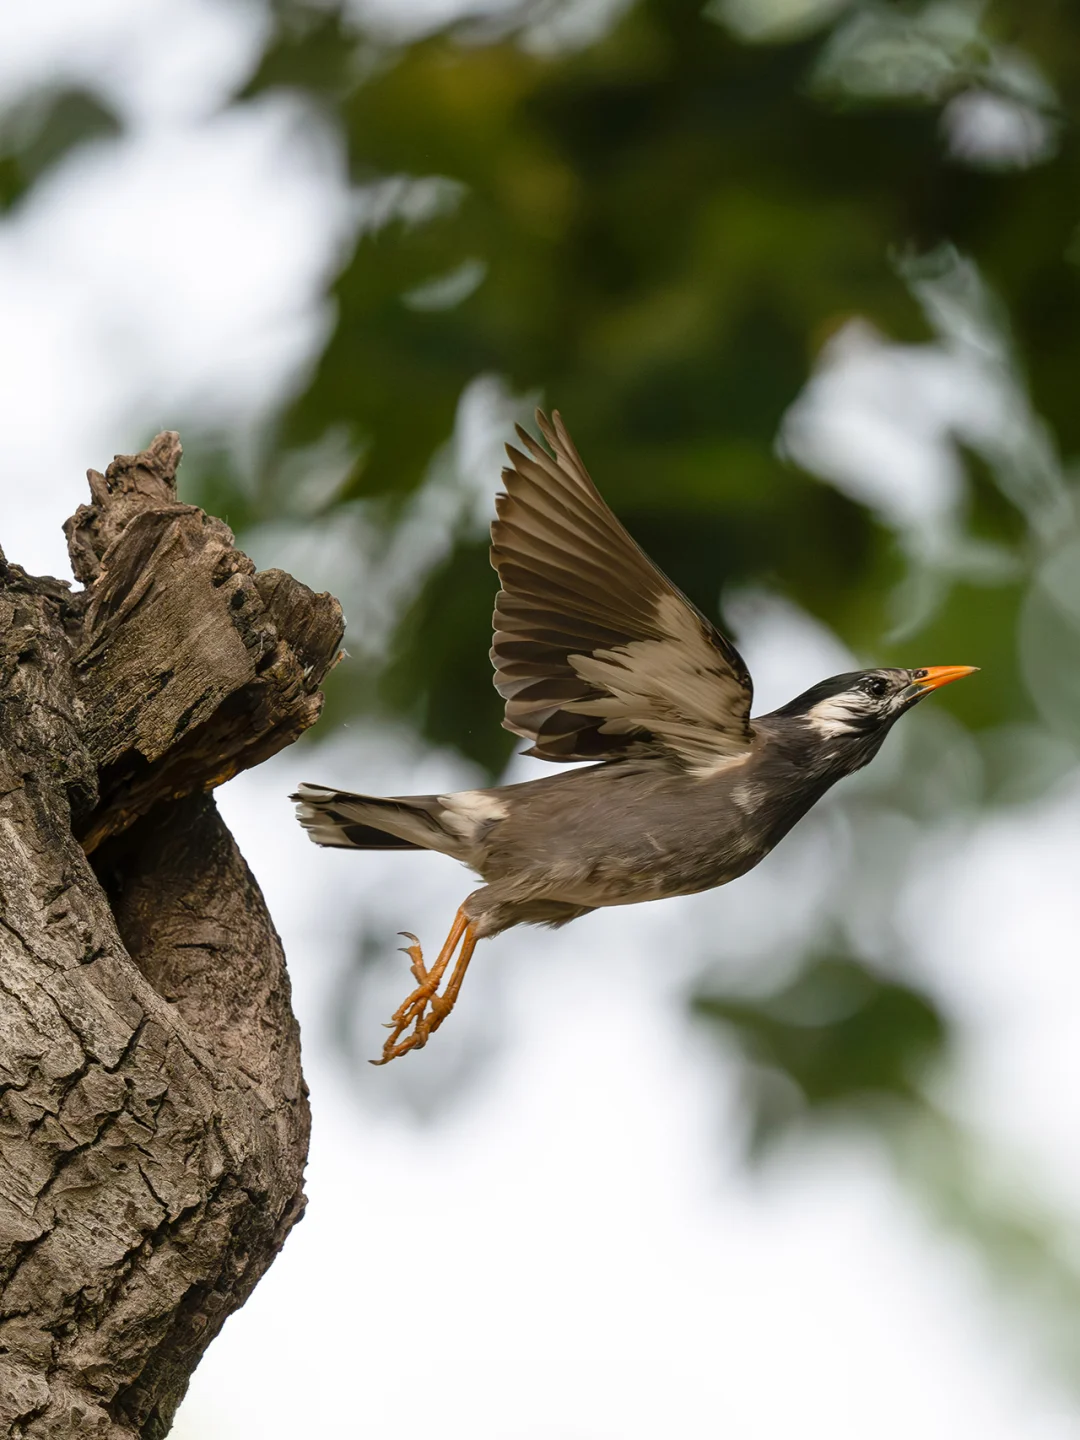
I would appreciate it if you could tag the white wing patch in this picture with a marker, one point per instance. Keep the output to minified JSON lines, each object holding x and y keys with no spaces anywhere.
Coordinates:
{"x":677,"y":687}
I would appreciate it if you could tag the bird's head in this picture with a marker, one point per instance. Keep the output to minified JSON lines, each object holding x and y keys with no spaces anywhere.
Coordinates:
{"x":861,"y":706}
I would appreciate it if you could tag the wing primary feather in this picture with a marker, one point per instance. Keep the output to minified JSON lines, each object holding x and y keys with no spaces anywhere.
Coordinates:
{"x":596,"y":653}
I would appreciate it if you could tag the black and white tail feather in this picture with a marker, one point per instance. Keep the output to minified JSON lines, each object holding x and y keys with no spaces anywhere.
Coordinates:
{"x":451,"y":824}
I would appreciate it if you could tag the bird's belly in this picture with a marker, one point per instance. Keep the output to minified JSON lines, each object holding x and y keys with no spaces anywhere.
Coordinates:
{"x":617,"y":837}
{"x":652,"y":872}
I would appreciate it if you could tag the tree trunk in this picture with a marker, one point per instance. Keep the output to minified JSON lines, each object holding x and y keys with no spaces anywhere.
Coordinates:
{"x":153,"y":1114}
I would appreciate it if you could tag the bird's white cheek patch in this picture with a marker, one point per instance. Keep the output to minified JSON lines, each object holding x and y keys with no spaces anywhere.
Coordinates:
{"x":466,"y":812}
{"x":833,"y":716}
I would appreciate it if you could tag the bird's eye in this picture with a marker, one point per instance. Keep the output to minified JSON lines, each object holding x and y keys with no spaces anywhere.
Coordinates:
{"x":877,"y":688}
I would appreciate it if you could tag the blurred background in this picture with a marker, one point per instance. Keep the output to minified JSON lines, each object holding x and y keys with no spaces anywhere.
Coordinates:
{"x":796,"y":1156}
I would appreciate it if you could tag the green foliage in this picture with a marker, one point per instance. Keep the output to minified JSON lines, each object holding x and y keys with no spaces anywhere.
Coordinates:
{"x":656,"y":232}
{"x":838,"y":1035}
{"x":438,"y":675}
{"x":38,"y":134}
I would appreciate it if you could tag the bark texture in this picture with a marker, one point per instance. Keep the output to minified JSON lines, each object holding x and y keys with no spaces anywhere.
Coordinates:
{"x":153,"y":1116}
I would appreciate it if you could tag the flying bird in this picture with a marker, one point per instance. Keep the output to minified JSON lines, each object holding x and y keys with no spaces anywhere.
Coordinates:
{"x":599,"y":657}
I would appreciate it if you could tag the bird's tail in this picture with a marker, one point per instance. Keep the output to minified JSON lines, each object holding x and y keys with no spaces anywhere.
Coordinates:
{"x":367,"y":822}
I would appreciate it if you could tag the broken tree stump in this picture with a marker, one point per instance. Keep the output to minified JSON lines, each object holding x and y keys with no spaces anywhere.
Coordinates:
{"x":153,"y":1115}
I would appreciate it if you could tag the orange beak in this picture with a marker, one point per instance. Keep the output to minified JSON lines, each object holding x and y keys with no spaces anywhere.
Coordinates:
{"x":934,"y":676}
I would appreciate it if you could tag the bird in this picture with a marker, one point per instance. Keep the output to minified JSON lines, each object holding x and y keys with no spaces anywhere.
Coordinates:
{"x":600,"y":658}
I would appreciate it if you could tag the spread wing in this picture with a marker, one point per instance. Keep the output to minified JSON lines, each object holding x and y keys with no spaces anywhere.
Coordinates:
{"x":596,"y":653}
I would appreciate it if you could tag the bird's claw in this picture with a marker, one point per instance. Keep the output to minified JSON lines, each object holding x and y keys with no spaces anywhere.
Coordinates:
{"x":412,"y":1010}
{"x":425,"y":1009}
{"x":416,"y":955}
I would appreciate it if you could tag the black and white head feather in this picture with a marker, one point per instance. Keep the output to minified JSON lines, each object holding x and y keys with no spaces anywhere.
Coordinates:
{"x":858,"y":703}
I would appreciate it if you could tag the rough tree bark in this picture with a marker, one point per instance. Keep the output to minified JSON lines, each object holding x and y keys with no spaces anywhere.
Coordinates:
{"x":153,"y":1115}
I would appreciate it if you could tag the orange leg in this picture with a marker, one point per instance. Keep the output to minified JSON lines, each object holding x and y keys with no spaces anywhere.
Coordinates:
{"x":414,"y":1010}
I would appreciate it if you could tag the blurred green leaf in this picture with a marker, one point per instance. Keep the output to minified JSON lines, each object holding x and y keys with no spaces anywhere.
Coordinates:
{"x":440,"y":675}
{"x":37,"y":134}
{"x":838,"y":1035}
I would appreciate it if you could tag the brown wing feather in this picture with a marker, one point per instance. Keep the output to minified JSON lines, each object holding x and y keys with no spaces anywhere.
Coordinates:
{"x":596,"y":653}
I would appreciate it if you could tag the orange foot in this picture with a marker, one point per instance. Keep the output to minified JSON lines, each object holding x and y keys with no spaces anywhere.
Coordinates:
{"x":425,"y":1009}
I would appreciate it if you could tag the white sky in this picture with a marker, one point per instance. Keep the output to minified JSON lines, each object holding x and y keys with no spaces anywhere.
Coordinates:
{"x":570,"y":1250}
